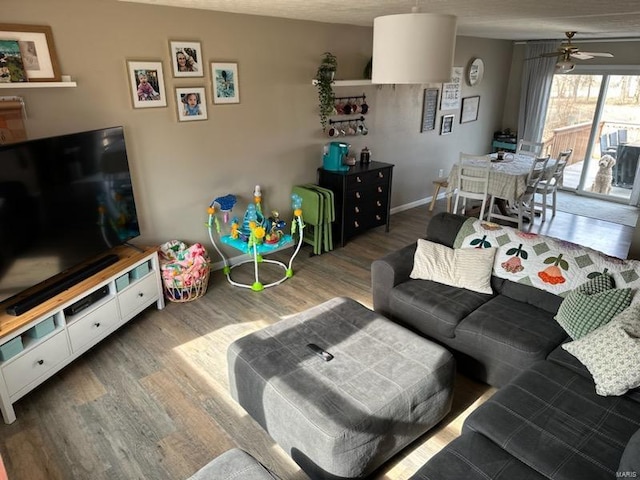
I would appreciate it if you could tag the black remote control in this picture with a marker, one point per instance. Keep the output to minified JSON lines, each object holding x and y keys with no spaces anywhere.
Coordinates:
{"x":326,"y":356}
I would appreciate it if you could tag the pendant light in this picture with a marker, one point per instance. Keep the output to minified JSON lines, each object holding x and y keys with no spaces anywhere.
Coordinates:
{"x":413,"y":48}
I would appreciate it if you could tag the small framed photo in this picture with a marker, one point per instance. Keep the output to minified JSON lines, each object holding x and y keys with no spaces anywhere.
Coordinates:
{"x":147,"y":84}
{"x":446,"y":124}
{"x":187,"y":59}
{"x":11,"y":67}
{"x":225,"y":83}
{"x":191,"y":103}
{"x":37,"y":51}
{"x":470,"y":107}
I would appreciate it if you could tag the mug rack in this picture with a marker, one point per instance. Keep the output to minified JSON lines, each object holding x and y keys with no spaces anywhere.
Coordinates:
{"x":354,"y":97}
{"x":347,"y":120}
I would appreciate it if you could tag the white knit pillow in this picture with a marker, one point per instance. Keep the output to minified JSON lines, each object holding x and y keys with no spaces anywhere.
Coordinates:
{"x":468,"y":268}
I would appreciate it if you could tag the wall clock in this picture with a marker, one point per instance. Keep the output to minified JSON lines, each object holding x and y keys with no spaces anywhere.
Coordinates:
{"x":475,"y":71}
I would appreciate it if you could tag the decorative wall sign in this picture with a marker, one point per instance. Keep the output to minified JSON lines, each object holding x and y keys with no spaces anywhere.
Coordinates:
{"x":429,"y":109}
{"x":147,"y":84}
{"x":37,"y":50}
{"x":452,"y":91}
{"x":475,"y":71}
{"x":470,"y":106}
{"x":446,"y":124}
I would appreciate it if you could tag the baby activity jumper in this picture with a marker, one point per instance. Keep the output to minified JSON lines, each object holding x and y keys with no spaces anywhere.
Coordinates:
{"x":256,"y":235}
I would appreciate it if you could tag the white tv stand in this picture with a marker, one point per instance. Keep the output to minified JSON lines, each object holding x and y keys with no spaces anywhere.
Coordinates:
{"x":131,"y":289}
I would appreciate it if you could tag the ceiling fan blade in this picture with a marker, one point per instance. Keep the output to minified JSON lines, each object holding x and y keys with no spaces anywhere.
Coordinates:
{"x":581,"y":55}
{"x":550,"y":54}
{"x":598,"y":54}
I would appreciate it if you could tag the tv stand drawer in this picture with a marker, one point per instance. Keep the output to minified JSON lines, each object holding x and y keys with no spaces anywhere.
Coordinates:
{"x":94,"y":325}
{"x":36,"y":363}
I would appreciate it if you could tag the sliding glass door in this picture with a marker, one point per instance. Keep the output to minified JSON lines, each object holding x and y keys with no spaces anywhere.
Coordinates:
{"x":598,"y":116}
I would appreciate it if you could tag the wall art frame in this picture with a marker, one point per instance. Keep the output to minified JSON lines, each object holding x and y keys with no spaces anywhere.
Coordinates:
{"x":446,"y":124}
{"x":38,"y":51}
{"x":429,"y":109}
{"x":226,"y":86}
{"x":147,"y":84}
{"x":469,"y":110}
{"x":191,"y":103}
{"x":452,"y":91}
{"x":186,"y":58}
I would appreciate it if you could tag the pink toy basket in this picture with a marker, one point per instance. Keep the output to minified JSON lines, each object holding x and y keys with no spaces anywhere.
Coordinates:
{"x":185,"y":271}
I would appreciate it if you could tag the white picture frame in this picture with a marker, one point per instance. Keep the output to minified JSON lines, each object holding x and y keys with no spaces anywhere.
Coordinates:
{"x":446,"y":124}
{"x":226,"y":87}
{"x":191,"y":103}
{"x":186,"y":58}
{"x":142,"y":96}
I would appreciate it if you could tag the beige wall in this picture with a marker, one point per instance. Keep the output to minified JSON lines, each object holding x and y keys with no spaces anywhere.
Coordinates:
{"x":271,"y":138}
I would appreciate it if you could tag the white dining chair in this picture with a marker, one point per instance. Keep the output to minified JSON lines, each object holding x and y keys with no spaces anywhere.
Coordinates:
{"x":526,"y":147}
{"x":473,"y":182}
{"x":526,"y":201}
{"x":548,"y":186}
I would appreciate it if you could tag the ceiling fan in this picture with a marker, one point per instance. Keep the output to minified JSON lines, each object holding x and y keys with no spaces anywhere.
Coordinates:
{"x":568,"y":51}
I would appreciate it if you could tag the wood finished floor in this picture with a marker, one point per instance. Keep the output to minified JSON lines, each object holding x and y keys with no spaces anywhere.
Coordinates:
{"x":152,"y":402}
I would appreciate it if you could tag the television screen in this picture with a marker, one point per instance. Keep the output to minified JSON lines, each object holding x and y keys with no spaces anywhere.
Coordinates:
{"x":63,"y":200}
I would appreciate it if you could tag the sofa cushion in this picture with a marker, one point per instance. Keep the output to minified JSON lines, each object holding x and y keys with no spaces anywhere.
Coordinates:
{"x":509,"y":331}
{"x":433,"y":308}
{"x":550,"y":419}
{"x":474,"y":457}
{"x":612,"y":353}
{"x":547,"y":301}
{"x":592,"y":305}
{"x":463,"y":268}
{"x":443,"y":228}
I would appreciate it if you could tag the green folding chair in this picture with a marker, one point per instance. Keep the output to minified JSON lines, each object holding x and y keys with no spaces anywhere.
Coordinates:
{"x":329,"y":215}
{"x":312,"y":216}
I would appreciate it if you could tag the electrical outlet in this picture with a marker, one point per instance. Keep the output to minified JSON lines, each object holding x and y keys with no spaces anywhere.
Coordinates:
{"x":441,"y":172}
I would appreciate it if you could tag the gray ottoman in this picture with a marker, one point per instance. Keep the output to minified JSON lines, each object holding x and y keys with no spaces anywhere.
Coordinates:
{"x":234,"y":464}
{"x":343,"y":418}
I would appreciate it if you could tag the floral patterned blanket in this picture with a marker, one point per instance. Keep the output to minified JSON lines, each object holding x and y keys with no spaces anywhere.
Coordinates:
{"x":545,"y":262}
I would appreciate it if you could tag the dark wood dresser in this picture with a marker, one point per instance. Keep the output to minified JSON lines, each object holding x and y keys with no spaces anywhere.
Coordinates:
{"x":362,"y":198}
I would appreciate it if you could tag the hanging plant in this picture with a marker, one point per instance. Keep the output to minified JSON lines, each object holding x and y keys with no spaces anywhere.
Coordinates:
{"x":324,"y":81}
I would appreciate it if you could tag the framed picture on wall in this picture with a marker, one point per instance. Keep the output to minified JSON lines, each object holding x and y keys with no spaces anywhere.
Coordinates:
{"x":429,"y":109}
{"x":225,"y":82}
{"x":37,"y":51}
{"x":470,"y":106}
{"x":147,"y":84}
{"x":186,"y":58}
{"x":191,"y":104}
{"x":446,"y":124}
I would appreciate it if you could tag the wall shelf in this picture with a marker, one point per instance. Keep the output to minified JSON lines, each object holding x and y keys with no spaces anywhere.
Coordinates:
{"x":348,"y":83}
{"x":38,"y":85}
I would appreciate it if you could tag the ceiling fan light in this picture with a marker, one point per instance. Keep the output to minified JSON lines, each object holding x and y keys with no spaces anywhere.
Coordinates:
{"x":413,"y":48}
{"x":565,"y":66}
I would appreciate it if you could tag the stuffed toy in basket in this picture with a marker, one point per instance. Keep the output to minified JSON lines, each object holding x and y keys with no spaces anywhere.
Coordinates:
{"x":185,"y":270}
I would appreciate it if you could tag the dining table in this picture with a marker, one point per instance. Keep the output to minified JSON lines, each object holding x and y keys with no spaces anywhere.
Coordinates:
{"x":507,"y":176}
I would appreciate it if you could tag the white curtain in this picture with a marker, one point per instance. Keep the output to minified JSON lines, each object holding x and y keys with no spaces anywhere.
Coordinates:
{"x":537,"y":75}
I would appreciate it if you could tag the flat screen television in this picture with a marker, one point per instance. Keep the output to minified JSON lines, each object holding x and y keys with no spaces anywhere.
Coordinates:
{"x":63,"y":200}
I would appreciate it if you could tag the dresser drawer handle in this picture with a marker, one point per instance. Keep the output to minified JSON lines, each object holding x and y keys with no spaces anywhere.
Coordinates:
{"x":378,"y":203}
{"x":356,"y":224}
{"x":356,"y":209}
{"x":141,"y":294}
{"x":379,"y":189}
{"x":357,"y":194}
{"x":380,"y":175}
{"x":97,"y":324}
{"x":378,"y":217}
{"x":40,"y":362}
{"x":358,"y":179}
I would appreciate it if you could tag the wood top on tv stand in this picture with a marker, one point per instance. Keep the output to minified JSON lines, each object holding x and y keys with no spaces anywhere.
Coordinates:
{"x":127,"y":255}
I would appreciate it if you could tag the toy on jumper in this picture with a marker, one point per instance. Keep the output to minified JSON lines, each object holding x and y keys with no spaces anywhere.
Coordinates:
{"x":256,"y":235}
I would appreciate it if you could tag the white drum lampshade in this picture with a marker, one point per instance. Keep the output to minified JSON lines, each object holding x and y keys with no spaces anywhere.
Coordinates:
{"x":413,"y":48}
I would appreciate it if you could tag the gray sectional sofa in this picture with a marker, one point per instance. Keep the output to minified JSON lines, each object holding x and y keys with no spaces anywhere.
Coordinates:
{"x":546,"y":420}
